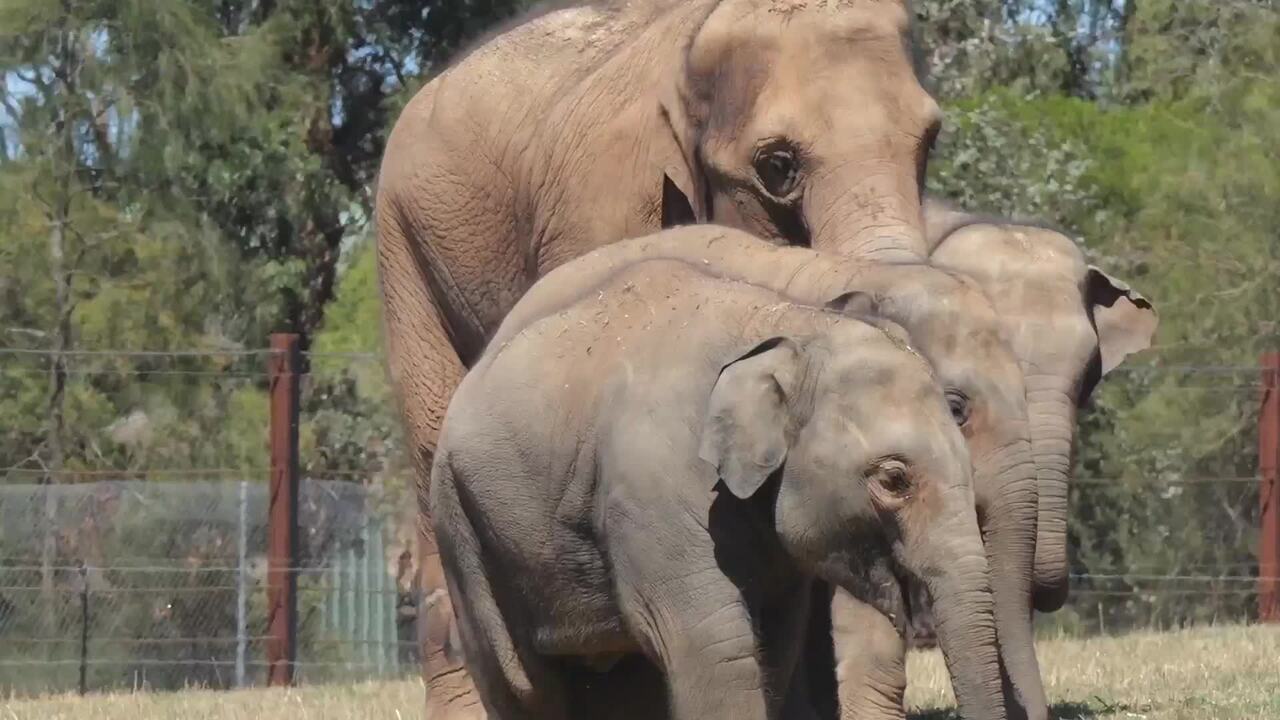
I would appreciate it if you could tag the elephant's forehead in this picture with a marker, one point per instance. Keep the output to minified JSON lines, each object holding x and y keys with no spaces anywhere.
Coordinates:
{"x":879,"y":17}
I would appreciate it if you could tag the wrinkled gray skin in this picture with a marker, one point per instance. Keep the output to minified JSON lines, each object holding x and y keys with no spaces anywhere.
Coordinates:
{"x":663,"y":462}
{"x":683,"y":110}
{"x":954,"y":327}
{"x":1069,"y":323}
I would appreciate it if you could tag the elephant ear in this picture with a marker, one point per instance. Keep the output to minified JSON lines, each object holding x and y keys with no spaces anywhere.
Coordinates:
{"x":684,"y":187}
{"x":676,"y":208}
{"x":745,"y":435}
{"x":870,"y":309}
{"x":1125,"y":320}
{"x":854,"y":304}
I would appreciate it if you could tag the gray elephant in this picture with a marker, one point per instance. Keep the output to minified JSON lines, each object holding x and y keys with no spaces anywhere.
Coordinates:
{"x":801,"y":121}
{"x":1069,"y":323}
{"x":661,"y":463}
{"x":953,"y":325}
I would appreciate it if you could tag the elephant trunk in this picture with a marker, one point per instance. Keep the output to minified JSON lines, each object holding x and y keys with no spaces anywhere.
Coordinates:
{"x":962,"y":602}
{"x":1006,"y":484}
{"x":1053,"y":415}
{"x":866,"y":212}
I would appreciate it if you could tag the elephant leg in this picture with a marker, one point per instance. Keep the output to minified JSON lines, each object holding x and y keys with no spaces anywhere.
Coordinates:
{"x":871,"y":661}
{"x":451,"y":693}
{"x":700,"y":632}
{"x":425,"y":370}
{"x":712,"y":668}
{"x":514,"y":681}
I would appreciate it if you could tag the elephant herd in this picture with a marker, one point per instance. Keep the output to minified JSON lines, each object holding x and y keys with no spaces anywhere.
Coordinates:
{"x":699,"y":386}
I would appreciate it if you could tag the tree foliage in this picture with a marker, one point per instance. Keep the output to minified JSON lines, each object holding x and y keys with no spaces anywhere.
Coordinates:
{"x":1165,"y":167}
{"x":194,"y":174}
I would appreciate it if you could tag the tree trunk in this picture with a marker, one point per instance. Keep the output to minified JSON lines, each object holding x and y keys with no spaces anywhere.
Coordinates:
{"x":59,"y":220}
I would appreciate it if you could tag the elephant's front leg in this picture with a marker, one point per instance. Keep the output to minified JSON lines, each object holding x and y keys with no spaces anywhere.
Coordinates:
{"x":712,"y":665}
{"x":699,"y":630}
{"x":871,"y":657}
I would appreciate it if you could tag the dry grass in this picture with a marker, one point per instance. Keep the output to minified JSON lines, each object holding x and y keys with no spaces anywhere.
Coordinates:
{"x":1226,"y":673}
{"x":1230,"y":673}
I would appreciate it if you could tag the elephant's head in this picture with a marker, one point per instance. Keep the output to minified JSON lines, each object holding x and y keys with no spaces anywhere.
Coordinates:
{"x":1069,"y":324}
{"x":803,"y":122}
{"x":872,"y":480}
{"x":954,"y":326}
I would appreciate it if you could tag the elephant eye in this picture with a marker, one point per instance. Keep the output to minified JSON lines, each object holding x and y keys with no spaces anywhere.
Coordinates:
{"x":959,"y":404}
{"x":893,"y":477}
{"x":778,"y":169}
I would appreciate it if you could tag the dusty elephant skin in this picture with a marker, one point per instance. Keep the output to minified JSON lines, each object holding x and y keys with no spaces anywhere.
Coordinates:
{"x":1069,"y":323}
{"x":799,"y":120}
{"x":953,"y":325}
{"x":664,"y":461}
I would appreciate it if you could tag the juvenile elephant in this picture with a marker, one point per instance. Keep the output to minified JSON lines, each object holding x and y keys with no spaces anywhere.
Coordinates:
{"x":1069,"y":323}
{"x":801,"y":121}
{"x":953,"y":325}
{"x":661,"y":463}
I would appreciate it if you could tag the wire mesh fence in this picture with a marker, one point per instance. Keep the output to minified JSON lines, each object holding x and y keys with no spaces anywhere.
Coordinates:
{"x":162,"y":585}
{"x":139,"y":558}
{"x":135,"y":556}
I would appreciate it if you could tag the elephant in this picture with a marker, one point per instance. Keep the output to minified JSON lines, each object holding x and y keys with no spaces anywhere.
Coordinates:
{"x":800,"y":121}
{"x":1068,"y":322}
{"x":953,"y":325}
{"x":665,"y":463}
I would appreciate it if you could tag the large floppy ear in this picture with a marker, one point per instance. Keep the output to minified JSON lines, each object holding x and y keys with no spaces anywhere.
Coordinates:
{"x":1125,"y":320}
{"x":684,"y":188}
{"x":747,"y":429}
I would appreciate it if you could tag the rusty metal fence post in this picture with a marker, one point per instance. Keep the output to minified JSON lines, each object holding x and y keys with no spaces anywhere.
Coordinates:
{"x":1269,"y":495}
{"x":282,"y":522}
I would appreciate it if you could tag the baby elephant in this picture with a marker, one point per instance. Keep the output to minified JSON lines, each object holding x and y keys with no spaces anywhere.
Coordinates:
{"x":666,"y":463}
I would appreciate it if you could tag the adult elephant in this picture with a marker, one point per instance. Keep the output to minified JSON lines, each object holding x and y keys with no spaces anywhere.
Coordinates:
{"x":798,"y":120}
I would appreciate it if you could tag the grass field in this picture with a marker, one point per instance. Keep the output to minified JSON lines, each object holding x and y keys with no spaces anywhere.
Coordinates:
{"x":1230,"y":673}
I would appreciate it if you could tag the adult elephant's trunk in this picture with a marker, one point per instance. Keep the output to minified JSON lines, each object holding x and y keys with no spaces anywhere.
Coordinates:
{"x":868,"y":211}
{"x":1052,"y":412}
{"x":963,"y":606}
{"x":1005,"y":484}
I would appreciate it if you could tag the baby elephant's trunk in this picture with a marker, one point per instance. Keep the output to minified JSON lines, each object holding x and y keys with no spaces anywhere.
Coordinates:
{"x":959,"y":586}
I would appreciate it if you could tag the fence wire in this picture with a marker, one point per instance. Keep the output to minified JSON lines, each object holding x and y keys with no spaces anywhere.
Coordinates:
{"x":140,"y":561}
{"x":142,"y":583}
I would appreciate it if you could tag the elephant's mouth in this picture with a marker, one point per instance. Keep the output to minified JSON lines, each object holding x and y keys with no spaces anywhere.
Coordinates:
{"x":888,"y":590}
{"x":904,"y":599}
{"x":898,"y":602}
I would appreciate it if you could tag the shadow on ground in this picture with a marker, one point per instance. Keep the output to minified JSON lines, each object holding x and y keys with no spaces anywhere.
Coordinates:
{"x":1057,"y":711}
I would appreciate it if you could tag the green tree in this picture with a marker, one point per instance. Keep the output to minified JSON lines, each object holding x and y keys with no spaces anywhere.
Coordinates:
{"x":1166,"y":169}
